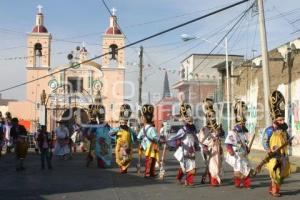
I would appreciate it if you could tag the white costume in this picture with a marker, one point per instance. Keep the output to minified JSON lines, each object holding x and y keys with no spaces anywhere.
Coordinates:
{"x":239,"y":161}
{"x":62,"y":141}
{"x":211,"y":140}
{"x":185,"y":153}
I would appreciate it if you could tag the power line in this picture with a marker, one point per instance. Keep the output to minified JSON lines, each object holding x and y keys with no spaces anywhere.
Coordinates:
{"x":118,"y":25}
{"x":283,"y":14}
{"x":219,"y":30}
{"x":172,"y":17}
{"x":221,"y":40}
{"x":134,"y":43}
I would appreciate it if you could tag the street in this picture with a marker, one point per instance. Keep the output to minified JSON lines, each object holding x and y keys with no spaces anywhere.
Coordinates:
{"x":72,"y":180}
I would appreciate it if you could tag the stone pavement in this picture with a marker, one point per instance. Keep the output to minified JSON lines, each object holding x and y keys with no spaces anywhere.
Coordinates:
{"x":71,"y":180}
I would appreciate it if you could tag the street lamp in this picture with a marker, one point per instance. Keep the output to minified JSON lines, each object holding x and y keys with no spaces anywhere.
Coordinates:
{"x":185,"y":38}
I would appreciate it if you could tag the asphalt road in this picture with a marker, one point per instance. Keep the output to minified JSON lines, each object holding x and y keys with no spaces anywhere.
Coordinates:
{"x":72,"y":180}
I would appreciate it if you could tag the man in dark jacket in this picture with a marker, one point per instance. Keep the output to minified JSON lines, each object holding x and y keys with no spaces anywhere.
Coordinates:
{"x":44,"y":139}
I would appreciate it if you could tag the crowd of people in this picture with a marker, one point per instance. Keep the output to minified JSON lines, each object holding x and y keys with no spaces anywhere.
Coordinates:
{"x":97,"y":139}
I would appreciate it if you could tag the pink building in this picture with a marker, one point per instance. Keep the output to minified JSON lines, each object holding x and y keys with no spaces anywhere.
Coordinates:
{"x":70,"y":91}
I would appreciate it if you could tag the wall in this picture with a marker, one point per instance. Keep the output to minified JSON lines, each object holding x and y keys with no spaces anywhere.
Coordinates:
{"x":250,"y":87}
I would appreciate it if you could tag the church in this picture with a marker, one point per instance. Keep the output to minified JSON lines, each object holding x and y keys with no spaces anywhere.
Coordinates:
{"x":60,"y":92}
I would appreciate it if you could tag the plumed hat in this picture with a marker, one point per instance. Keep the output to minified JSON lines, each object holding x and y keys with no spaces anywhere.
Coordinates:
{"x":125,"y":112}
{"x":209,"y":113}
{"x":97,"y":111}
{"x":240,"y":112}
{"x":208,"y":104}
{"x":277,"y":105}
{"x":186,"y":112}
{"x":148,"y":111}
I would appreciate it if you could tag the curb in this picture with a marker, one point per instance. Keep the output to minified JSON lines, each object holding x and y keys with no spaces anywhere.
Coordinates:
{"x":294,"y":167}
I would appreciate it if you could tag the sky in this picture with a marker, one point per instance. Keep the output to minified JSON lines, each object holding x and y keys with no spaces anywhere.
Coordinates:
{"x":73,"y":22}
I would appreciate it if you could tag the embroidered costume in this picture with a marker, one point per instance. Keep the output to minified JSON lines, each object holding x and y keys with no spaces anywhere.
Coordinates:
{"x":237,"y":149}
{"x":98,"y":135}
{"x":125,"y":138}
{"x":149,"y":139}
{"x":209,"y":138}
{"x":275,"y":136}
{"x":187,"y":144}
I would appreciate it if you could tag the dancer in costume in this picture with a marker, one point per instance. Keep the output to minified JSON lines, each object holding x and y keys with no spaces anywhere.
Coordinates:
{"x":19,"y":135}
{"x":125,"y":137}
{"x":187,"y":145}
{"x":103,"y":148}
{"x":275,"y":136}
{"x":237,"y":149}
{"x":209,"y":138}
{"x":149,"y":139}
{"x":89,"y":139}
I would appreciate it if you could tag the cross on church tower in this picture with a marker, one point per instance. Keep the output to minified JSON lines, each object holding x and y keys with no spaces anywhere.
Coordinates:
{"x":39,"y":8}
{"x":114,"y":11}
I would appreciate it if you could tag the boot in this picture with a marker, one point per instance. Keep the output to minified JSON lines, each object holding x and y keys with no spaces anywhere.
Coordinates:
{"x":247,"y":182}
{"x":237,"y":182}
{"x":214,"y":182}
{"x":275,"y":190}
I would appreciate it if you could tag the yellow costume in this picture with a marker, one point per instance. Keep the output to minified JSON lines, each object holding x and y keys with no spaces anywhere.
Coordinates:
{"x":279,"y":167}
{"x":276,"y":136}
{"x":125,"y":137}
{"x":123,"y":149}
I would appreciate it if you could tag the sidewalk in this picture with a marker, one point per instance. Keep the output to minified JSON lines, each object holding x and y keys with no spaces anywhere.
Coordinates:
{"x":256,"y":156}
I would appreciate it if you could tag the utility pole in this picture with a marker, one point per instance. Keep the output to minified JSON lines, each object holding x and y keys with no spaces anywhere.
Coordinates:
{"x":265,"y":60}
{"x":140,"y":81}
{"x":227,"y":86}
{"x":289,"y":62}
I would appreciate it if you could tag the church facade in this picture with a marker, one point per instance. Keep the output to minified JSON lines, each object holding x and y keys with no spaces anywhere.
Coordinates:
{"x":68,"y":90}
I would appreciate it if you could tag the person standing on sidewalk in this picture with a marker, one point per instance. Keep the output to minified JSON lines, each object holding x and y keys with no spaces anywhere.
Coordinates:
{"x":237,"y":149}
{"x":210,"y":140}
{"x":187,"y":143}
{"x":44,"y":139}
{"x":275,"y":136}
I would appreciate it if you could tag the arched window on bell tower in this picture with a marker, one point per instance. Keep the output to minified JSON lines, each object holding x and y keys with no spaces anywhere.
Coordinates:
{"x":113,"y":51}
{"x":37,"y":54}
{"x":113,"y":60}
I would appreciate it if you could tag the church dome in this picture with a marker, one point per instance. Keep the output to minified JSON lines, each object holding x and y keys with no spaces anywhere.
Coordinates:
{"x":113,"y":31}
{"x":39,"y":29}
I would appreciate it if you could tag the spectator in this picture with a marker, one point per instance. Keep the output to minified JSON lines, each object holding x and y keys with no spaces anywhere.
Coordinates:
{"x":6,"y":130}
{"x":2,"y":123}
{"x":44,"y":140}
{"x":62,"y":148}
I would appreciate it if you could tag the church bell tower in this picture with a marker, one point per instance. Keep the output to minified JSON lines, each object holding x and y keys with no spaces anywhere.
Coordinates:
{"x":112,"y":40}
{"x":39,"y":43}
{"x":38,"y":60}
